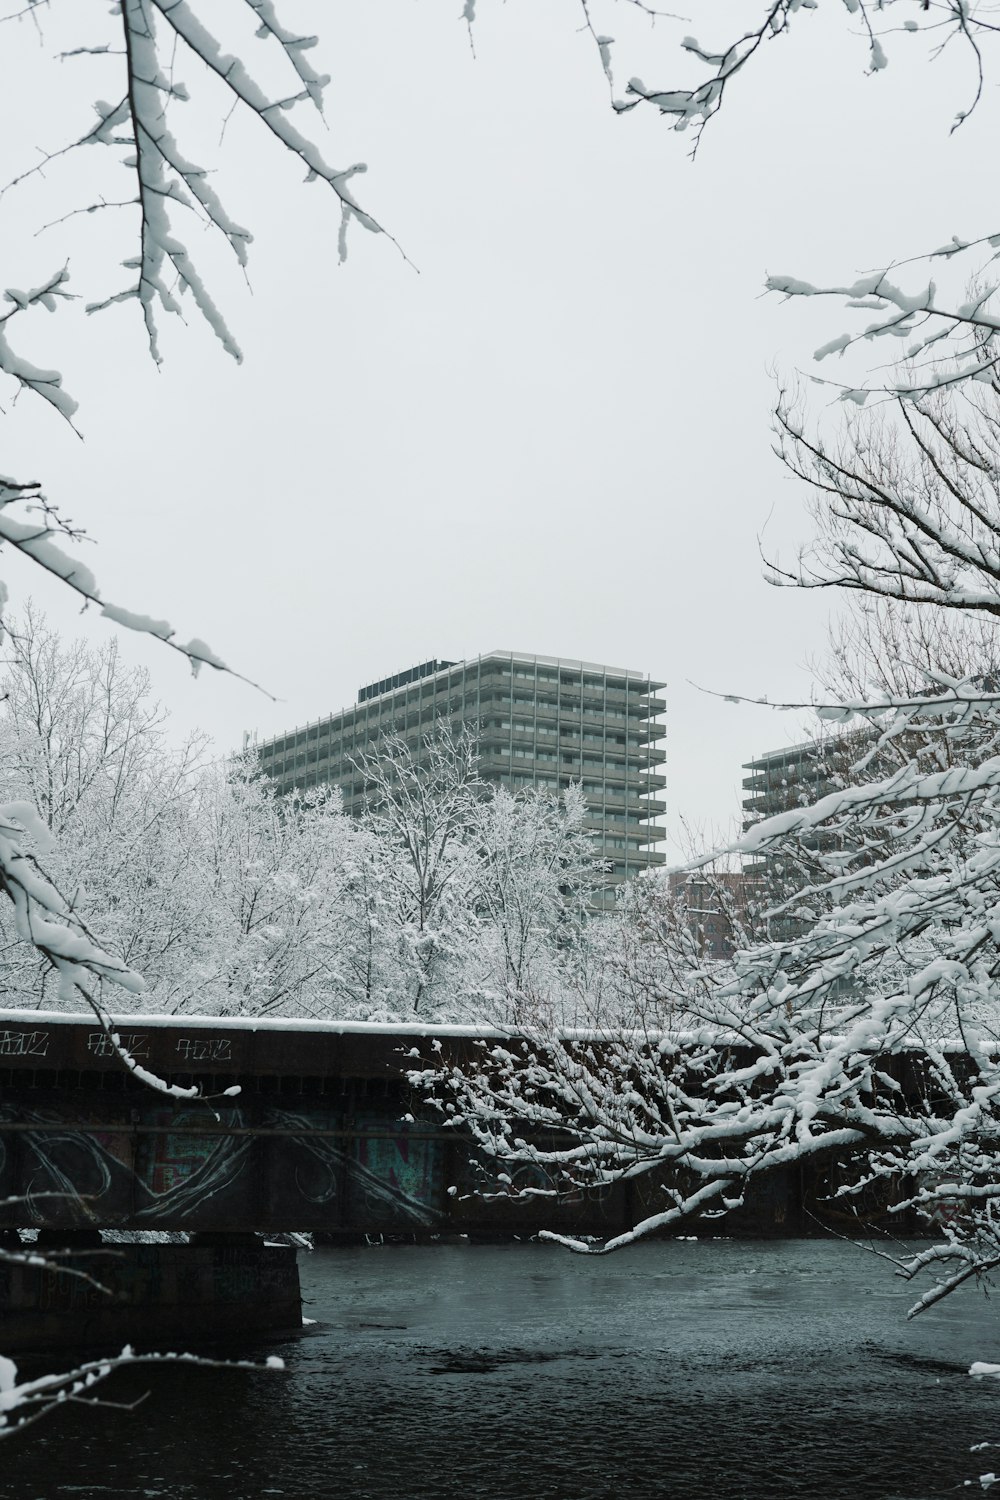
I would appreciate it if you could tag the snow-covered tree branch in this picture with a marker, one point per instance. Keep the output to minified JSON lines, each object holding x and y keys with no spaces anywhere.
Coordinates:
{"x":81,"y":752}
{"x":950,"y":337}
{"x":869,"y":1036}
{"x":24,"y":1402}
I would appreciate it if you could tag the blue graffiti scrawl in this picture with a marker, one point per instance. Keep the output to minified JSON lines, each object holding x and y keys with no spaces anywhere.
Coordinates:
{"x":101,"y":1162}
{"x":396,"y":1175}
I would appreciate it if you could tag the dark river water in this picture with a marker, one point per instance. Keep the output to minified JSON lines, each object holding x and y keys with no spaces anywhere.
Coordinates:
{"x":756,"y":1371}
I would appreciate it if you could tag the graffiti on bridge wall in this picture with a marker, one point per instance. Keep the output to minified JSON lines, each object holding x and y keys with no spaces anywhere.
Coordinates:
{"x":191,"y":1168}
{"x":24,"y":1043}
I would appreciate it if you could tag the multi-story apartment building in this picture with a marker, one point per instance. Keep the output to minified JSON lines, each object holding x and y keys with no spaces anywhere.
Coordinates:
{"x":780,"y":781}
{"x":796,"y":776}
{"x":543,"y":721}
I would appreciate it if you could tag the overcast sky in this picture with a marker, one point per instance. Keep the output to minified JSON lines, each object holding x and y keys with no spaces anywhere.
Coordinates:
{"x":548,"y":429}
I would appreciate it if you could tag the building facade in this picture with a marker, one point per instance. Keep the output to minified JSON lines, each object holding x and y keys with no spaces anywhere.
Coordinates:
{"x":796,"y":776}
{"x":543,"y":721}
{"x":781,"y":781}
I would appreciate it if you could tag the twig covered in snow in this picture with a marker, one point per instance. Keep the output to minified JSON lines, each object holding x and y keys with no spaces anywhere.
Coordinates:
{"x":863,"y":1034}
{"x":950,"y":341}
{"x":34,"y":540}
{"x":23,"y":1402}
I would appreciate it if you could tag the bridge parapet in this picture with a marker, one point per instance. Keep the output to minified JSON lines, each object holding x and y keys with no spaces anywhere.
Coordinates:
{"x":200,"y":1046}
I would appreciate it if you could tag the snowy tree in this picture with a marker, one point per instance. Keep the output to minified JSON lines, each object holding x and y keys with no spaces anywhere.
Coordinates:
{"x":83,"y":741}
{"x":885,"y":646}
{"x":537,"y":876}
{"x":908,"y":501}
{"x":950,"y":338}
{"x":152,"y":56}
{"x":227,"y":900}
{"x":157,"y":61}
{"x":233,"y":901}
{"x":899,"y":499}
{"x":148,"y":58}
{"x":78,"y":725}
{"x":423,"y":811}
{"x":141,"y":52}
{"x":367,"y":977}
{"x":872,"y":1036}
{"x":272,"y":876}
{"x":452,"y":899}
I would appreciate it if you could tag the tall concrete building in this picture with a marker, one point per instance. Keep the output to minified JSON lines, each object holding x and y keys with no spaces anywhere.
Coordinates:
{"x":795,"y":776}
{"x":543,"y":722}
{"x":781,"y":781}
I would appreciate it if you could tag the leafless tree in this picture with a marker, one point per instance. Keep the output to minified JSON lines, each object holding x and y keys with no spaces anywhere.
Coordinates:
{"x":424,"y":808}
{"x":870,"y":1035}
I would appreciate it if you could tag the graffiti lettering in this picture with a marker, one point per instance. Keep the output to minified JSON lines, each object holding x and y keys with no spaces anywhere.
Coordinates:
{"x":206,"y":1049}
{"x":24,"y":1043}
{"x":135,"y":1043}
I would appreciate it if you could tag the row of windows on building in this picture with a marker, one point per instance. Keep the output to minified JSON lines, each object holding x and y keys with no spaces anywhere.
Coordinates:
{"x":362,"y":735}
{"x":594,"y":790}
{"x":566,"y":757}
{"x":276,"y":759}
{"x":622,"y":698}
{"x":399,"y":714}
{"x":564,"y":732}
{"x":319,"y":768}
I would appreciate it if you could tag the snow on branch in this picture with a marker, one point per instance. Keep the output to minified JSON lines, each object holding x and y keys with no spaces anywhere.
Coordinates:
{"x":169,"y":184}
{"x":44,"y":383}
{"x":166,"y":178}
{"x":696,"y":105}
{"x":908,"y":501}
{"x":34,"y":539}
{"x":274,"y":113}
{"x":855,"y":1027}
{"x":702,"y":1113}
{"x":926,"y":320}
{"x":961,"y":695}
{"x":947,"y":346}
{"x":23,"y":1402}
{"x":295,"y":47}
